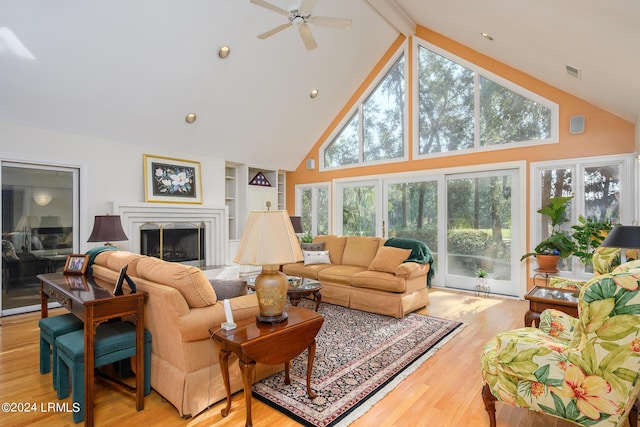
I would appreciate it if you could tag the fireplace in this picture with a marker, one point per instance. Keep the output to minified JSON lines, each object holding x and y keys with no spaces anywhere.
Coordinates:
{"x":182,"y":242}
{"x":213,"y":240}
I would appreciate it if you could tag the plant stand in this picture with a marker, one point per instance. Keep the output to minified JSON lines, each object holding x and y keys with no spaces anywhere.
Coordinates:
{"x":482,"y":287}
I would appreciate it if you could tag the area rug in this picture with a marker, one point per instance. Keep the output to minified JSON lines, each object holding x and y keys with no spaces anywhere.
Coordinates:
{"x":359,"y":358}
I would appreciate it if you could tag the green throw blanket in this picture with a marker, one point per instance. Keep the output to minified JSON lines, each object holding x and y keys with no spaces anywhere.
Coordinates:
{"x":93,"y":253}
{"x":420,"y":253}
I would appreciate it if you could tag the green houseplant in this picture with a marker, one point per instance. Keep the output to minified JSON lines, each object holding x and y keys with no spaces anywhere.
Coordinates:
{"x":588,"y":235}
{"x":559,"y":244}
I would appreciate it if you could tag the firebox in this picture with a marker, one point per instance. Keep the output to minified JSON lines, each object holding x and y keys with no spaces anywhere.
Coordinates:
{"x":182,"y":242}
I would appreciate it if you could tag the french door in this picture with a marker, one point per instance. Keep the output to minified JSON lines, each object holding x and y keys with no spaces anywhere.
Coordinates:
{"x":470,"y":221}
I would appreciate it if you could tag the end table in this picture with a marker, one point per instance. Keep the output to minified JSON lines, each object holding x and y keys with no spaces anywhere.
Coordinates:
{"x":270,"y":344}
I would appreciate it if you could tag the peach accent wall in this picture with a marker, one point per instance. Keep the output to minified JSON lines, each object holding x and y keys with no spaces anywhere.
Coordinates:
{"x":605,"y":133}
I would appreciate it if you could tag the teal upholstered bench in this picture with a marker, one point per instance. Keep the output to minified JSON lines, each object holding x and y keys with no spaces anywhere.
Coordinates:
{"x":50,"y":329}
{"x":114,"y":341}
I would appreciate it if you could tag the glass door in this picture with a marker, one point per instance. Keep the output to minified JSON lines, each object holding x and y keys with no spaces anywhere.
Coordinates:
{"x":39,"y":210}
{"x":357,"y":207}
{"x":482,"y":214}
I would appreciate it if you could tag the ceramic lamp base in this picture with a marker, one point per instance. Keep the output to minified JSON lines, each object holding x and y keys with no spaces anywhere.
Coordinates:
{"x":271,"y":289}
{"x":272,"y":320}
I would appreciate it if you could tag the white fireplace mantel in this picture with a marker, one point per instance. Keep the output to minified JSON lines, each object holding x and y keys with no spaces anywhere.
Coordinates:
{"x":215,"y":219}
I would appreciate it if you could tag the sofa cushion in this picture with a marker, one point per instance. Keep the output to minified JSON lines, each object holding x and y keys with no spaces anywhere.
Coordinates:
{"x":115,"y":260}
{"x":378,"y":280}
{"x":319,"y":246}
{"x":389,"y":258}
{"x":334,"y":244}
{"x":316,"y":257}
{"x":360,"y":250}
{"x":309,"y":271}
{"x":341,"y":274}
{"x":190,"y":281}
{"x":228,"y":288}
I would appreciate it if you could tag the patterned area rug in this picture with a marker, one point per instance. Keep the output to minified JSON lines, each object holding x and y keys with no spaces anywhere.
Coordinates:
{"x":360,"y":357}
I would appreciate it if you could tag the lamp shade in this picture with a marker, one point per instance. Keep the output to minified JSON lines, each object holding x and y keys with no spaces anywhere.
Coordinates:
{"x":296,"y":221}
{"x":268,"y":239}
{"x":623,"y":236}
{"x":107,"y":228}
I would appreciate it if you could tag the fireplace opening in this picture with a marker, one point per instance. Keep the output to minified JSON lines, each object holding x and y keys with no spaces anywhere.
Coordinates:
{"x":182,"y":242}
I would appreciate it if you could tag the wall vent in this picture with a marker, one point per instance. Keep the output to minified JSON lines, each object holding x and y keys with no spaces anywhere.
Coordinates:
{"x":573,"y":71}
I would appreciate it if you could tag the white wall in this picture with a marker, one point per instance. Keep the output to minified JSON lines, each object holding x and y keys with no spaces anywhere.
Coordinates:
{"x":111,"y":171}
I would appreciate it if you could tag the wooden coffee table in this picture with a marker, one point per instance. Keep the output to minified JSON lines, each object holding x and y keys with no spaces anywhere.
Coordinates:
{"x":270,"y":344}
{"x":540,"y":298}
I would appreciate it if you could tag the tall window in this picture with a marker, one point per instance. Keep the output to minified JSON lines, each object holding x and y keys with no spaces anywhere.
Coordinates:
{"x":312,"y":202}
{"x":376,"y":131}
{"x":460,"y":108}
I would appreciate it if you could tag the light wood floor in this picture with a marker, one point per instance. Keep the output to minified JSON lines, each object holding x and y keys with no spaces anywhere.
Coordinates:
{"x":444,"y":391}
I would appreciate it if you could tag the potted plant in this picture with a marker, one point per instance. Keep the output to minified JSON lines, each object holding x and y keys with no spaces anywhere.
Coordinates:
{"x":559,"y":244}
{"x":588,"y":235}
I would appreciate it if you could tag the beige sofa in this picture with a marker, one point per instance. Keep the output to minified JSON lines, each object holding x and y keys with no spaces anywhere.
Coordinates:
{"x":180,"y":308}
{"x":366,"y":275}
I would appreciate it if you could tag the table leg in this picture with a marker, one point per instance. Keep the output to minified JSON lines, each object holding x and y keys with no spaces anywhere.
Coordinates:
{"x":310,"y":358}
{"x":247,"y":374}
{"x":223,"y":356}
{"x":89,"y":378}
{"x":140,"y":356}
{"x":530,"y":317}
{"x":318,"y":298}
{"x":287,"y":380}
{"x":294,"y":299}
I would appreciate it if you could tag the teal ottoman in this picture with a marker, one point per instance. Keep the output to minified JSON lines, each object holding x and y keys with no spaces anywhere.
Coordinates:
{"x":114,"y":341}
{"x":50,"y":329}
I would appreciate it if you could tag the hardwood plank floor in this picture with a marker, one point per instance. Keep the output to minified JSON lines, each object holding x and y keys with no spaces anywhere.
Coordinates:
{"x":443,"y":392}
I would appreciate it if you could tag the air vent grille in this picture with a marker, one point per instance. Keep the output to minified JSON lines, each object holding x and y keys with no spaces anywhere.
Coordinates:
{"x":573,"y":71}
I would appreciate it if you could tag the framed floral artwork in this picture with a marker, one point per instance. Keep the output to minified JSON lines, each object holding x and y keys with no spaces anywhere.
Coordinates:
{"x":169,"y":180}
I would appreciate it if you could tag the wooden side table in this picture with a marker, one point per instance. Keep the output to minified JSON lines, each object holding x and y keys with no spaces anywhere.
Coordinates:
{"x":270,"y":344}
{"x":540,"y":298}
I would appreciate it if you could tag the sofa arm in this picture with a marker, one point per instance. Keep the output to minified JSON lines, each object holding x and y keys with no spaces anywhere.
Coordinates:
{"x":409,"y":270}
{"x":195,"y":325}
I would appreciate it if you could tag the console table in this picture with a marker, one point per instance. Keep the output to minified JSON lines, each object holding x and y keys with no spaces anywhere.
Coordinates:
{"x":270,"y":344}
{"x":93,"y":302}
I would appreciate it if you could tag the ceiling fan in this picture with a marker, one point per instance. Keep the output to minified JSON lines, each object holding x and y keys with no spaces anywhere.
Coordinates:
{"x":300,"y":14}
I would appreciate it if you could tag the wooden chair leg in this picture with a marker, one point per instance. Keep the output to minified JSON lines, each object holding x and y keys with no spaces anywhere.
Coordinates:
{"x":490,"y":404}
{"x":633,"y":414}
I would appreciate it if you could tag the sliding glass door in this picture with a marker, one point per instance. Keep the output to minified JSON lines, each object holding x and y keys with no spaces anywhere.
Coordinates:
{"x":482,"y":214}
{"x":39,"y":210}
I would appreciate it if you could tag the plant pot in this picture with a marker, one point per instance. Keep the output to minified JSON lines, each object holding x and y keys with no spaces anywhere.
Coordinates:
{"x":548,"y":263}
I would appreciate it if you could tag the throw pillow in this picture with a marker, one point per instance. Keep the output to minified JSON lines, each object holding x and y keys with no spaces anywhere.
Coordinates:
{"x":312,"y":246}
{"x":226,"y":289}
{"x":389,"y":258}
{"x":316,"y":257}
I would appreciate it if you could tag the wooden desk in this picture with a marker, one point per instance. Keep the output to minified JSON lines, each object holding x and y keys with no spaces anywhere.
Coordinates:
{"x":540,"y":298}
{"x":269,"y":344}
{"x":93,"y":302}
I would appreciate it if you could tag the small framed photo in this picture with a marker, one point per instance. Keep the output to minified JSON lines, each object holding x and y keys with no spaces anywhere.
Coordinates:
{"x":169,"y":180}
{"x":76,"y":264}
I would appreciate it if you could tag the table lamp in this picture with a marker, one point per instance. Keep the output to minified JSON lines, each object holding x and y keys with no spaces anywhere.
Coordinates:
{"x":107,"y":228}
{"x":623,"y":237}
{"x":269,"y":240}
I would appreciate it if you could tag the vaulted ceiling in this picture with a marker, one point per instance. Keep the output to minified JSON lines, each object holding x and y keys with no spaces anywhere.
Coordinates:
{"x":131,"y":70}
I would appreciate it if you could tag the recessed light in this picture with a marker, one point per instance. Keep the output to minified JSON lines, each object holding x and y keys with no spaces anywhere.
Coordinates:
{"x":487,"y":36}
{"x":313,"y":93}
{"x":224,"y":51}
{"x":190,"y":118}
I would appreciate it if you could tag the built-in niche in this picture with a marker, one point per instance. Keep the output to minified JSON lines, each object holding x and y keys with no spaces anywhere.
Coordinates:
{"x":182,"y":242}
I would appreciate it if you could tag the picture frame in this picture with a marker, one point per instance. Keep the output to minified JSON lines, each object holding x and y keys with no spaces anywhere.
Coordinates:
{"x":76,"y":264}
{"x":170,"y":180}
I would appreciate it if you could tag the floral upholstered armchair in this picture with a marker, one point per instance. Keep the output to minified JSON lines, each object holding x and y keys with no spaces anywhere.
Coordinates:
{"x":585,"y":370}
{"x":605,"y":260}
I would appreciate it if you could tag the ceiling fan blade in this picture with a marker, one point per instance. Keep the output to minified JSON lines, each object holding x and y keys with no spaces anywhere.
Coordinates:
{"x":306,"y":7}
{"x":274,"y":31}
{"x":326,"y":21}
{"x":270,"y":6}
{"x":307,"y":37}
